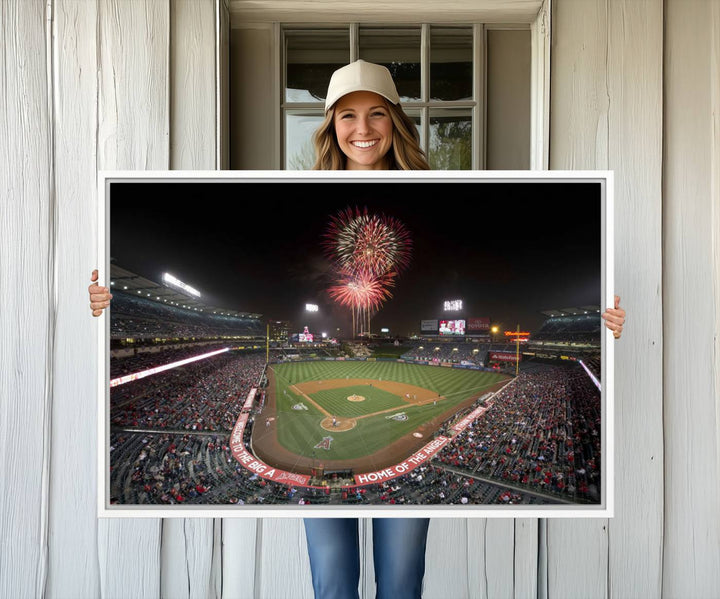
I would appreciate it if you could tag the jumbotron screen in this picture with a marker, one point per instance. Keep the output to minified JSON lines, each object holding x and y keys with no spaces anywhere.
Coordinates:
{"x":452,"y":327}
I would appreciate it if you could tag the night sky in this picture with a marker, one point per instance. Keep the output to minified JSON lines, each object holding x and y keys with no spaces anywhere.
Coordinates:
{"x":507,"y":249}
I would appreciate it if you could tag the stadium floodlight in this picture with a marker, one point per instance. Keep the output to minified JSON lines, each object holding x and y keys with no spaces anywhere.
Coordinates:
{"x":172,"y":281}
{"x":324,"y":335}
{"x":384,"y":330}
{"x":311,"y":308}
{"x":453,"y":305}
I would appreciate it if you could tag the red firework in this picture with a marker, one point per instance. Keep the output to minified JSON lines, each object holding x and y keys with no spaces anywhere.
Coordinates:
{"x":358,"y":241}
{"x":362,"y":291}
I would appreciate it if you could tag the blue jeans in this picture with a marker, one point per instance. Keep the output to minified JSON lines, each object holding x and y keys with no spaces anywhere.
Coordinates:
{"x":398,"y":555}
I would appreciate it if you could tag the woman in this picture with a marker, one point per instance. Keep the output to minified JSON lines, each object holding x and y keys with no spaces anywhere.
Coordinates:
{"x":365,"y":128}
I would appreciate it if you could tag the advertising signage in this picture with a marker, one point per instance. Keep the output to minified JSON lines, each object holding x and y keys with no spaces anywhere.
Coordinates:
{"x":429,"y":326}
{"x":478,"y":325}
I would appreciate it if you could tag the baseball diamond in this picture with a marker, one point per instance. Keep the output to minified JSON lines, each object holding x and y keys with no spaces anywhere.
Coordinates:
{"x":402,"y":407}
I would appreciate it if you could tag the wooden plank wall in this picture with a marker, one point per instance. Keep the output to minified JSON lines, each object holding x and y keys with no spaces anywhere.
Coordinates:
{"x":27,"y":290}
{"x":606,"y":113}
{"x":691,"y":209}
{"x":73,"y":541}
{"x":107,"y":85}
{"x":132,"y":133}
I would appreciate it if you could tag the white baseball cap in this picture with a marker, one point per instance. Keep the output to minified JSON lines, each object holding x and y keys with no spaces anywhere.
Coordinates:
{"x":361,"y":76}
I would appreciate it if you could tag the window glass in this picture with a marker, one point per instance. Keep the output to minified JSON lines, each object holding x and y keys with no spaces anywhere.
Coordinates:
{"x":299,"y":151}
{"x":311,"y":57}
{"x":450,"y":146}
{"x":451,"y":63}
{"x":399,"y":50}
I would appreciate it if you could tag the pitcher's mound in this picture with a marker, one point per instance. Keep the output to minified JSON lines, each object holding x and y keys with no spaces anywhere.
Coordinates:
{"x":341,"y":424}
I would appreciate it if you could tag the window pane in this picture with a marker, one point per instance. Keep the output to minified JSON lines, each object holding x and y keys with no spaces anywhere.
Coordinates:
{"x":299,"y":151}
{"x":450,"y":145}
{"x":311,"y":58}
{"x":398,"y":50}
{"x":451,"y":56}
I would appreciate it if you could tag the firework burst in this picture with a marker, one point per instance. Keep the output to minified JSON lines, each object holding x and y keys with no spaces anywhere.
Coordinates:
{"x":357,"y":241}
{"x":362,"y":291}
{"x":367,"y":251}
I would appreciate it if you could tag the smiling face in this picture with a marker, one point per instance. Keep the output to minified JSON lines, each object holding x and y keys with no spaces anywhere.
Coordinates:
{"x":364,"y":130}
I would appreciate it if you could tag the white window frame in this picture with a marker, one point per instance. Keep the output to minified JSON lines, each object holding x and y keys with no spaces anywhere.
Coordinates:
{"x":539,"y":22}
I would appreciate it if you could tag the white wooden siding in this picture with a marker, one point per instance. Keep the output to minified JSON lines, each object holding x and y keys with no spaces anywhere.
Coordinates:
{"x":27,"y":322}
{"x":606,"y":113}
{"x":691,"y":316}
{"x":133,"y":133}
{"x":102,"y":84}
{"x":73,"y":566}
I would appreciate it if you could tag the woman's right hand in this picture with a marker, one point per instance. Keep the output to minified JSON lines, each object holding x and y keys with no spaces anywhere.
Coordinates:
{"x":99,"y":296}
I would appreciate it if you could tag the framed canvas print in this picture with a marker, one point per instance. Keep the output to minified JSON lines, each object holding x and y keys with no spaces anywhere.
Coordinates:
{"x":335,"y":344}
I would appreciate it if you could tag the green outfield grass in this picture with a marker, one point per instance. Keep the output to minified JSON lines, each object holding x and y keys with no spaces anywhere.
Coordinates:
{"x":299,"y":430}
{"x":389,"y":351}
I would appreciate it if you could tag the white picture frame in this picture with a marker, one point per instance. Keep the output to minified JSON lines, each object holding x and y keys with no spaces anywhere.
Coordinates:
{"x":344,"y":181}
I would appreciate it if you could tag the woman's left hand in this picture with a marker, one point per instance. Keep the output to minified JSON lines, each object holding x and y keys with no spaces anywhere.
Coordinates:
{"x":615,"y":318}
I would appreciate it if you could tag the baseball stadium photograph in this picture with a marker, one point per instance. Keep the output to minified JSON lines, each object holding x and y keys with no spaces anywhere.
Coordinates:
{"x":318,"y":343}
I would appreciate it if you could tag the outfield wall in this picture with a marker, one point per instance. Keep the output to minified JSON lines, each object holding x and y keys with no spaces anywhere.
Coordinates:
{"x":399,"y":360}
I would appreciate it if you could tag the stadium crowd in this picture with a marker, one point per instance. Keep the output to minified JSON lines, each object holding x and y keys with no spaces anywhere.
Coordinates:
{"x":474,"y":353}
{"x":542,"y":432}
{"x":206,"y":395}
{"x":174,"y":469}
{"x":138,"y":317}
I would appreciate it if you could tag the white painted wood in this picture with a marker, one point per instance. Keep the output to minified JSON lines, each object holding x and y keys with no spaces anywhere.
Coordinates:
{"x":72,"y":545}
{"x":525,"y":573}
{"x":635,"y":87}
{"x":239,"y":557}
{"x":499,"y":555}
{"x":193,"y":86}
{"x":542,"y":572}
{"x":129,"y":558}
{"x":282,"y":569}
{"x":607,"y":90}
{"x":27,"y":318}
{"x":187,"y":558}
{"x":577,"y":552}
{"x":133,"y":127}
{"x":397,"y":11}
{"x":491,"y":556}
{"x":216,"y":569}
{"x":692,"y":320}
{"x":449,"y":559}
{"x":254,"y":137}
{"x":133,"y":132}
{"x":508,"y":99}
{"x":540,"y":89}
{"x":577,"y":558}
{"x":222,"y":61}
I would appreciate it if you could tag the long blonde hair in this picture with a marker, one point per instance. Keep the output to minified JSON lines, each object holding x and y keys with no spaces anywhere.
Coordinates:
{"x":405,"y":155}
